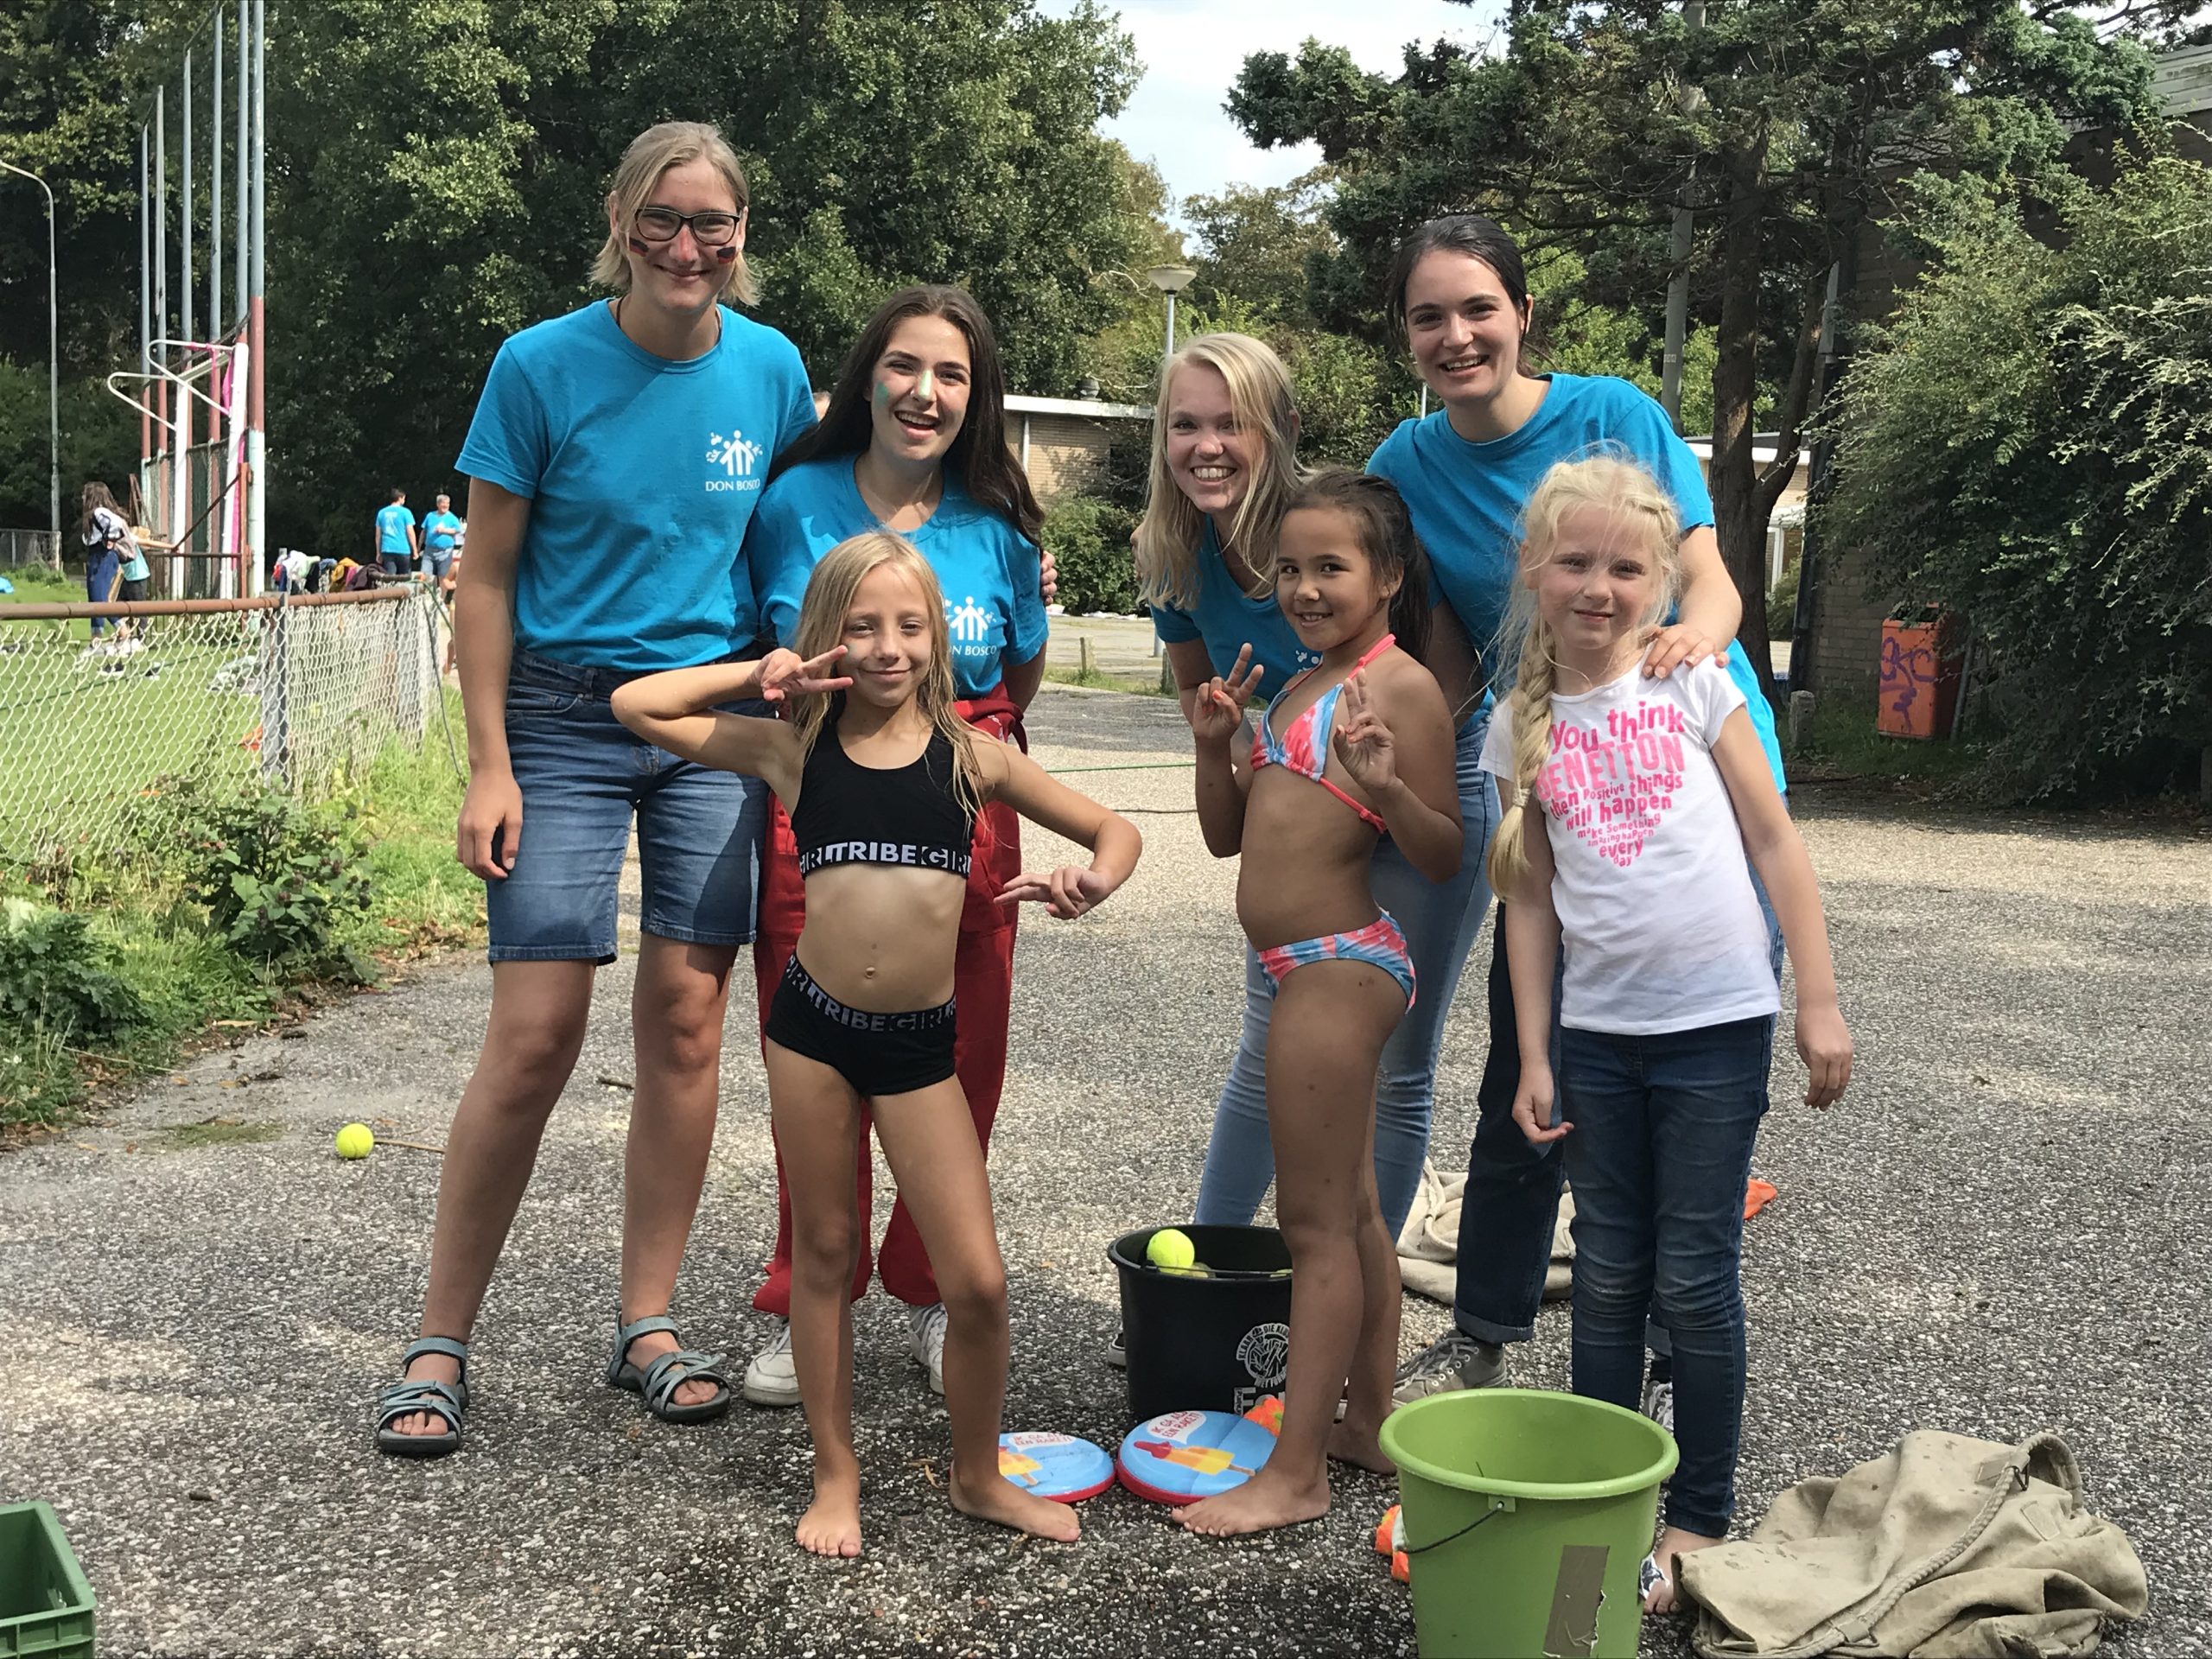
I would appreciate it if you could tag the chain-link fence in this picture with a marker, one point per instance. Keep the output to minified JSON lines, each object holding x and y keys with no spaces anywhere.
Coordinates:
{"x":291,"y":691}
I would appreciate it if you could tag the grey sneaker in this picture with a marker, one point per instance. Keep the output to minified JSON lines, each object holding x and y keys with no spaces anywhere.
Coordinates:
{"x":1117,"y":1351}
{"x":1659,"y":1404}
{"x":1454,"y":1360}
{"x":925,"y":1347}
{"x":771,"y":1379}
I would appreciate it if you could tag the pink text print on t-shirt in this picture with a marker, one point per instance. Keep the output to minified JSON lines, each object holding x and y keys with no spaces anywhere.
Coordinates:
{"x":1612,"y":785}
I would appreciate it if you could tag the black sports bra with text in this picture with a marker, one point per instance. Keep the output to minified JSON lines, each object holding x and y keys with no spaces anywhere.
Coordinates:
{"x":851,"y":814}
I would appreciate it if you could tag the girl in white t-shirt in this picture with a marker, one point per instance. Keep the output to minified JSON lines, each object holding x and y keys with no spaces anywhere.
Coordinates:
{"x":1630,"y":805}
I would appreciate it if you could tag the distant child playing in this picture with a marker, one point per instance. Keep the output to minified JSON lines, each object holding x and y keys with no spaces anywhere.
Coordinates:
{"x":883,"y":782}
{"x":1630,"y":805}
{"x":1369,"y":727}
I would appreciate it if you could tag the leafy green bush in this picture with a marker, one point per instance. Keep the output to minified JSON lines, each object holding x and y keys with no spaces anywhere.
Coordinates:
{"x":2028,"y":446}
{"x":281,"y":882}
{"x":1091,"y":540}
{"x":1781,"y":606}
{"x":55,"y":975}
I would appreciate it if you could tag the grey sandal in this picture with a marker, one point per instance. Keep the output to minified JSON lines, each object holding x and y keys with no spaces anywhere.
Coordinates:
{"x":657,"y":1382}
{"x":444,"y":1400}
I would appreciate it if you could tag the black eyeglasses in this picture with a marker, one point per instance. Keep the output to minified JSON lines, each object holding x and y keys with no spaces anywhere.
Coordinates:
{"x":715,"y":230}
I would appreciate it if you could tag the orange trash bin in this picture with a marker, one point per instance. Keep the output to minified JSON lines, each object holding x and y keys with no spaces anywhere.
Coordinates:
{"x":1920,"y":680}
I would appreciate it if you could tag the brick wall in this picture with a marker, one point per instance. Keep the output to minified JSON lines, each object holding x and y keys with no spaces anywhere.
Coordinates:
{"x":1846,"y":627}
{"x":1067,"y":454}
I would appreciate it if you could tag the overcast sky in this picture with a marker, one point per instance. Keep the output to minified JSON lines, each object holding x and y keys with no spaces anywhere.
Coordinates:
{"x":1192,"y":50}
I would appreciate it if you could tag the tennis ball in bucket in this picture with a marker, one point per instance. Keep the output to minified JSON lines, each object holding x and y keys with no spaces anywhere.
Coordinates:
{"x":355,"y":1140}
{"x":1171,"y":1248}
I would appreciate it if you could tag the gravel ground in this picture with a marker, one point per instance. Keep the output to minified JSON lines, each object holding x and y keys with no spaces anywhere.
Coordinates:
{"x":2002,"y":1229}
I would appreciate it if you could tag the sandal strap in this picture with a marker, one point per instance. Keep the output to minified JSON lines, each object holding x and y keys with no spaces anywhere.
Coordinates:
{"x":626,"y":1334}
{"x":445,"y":1347}
{"x":668,"y":1372}
{"x":405,"y":1399}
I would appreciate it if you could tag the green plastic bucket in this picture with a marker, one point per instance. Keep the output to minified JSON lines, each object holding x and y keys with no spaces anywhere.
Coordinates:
{"x":1527,"y":1515}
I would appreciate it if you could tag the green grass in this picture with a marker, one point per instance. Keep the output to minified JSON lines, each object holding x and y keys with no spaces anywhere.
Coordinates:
{"x":1844,"y":744}
{"x":405,"y":804}
{"x":1099,"y":680}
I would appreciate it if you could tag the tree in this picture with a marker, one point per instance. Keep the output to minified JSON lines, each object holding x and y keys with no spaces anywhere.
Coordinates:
{"x":1810,"y":110}
{"x":2028,"y":447}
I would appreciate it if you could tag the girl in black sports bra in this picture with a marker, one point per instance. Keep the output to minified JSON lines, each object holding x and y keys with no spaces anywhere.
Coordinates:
{"x":882,"y":781}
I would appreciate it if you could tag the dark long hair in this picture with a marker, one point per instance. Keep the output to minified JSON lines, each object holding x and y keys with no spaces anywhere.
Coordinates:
{"x":985,"y":467}
{"x":1385,"y":532}
{"x":97,"y":495}
{"x":1472,"y":234}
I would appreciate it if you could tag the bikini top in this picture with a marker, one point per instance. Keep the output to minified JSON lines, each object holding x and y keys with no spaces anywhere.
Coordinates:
{"x":1305,"y":746}
{"x":852,"y":814}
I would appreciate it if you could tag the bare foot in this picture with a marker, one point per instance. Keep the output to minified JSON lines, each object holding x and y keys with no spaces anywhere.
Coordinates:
{"x":430,"y":1367}
{"x":831,"y":1525}
{"x":1673,"y":1544}
{"x":998,"y":1499}
{"x":1268,"y":1499}
{"x":1350,"y":1443}
{"x":643,"y":1350}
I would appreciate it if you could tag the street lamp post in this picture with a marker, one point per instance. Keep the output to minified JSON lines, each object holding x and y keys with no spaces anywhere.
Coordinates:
{"x":1170,"y":280}
{"x":53,"y":368}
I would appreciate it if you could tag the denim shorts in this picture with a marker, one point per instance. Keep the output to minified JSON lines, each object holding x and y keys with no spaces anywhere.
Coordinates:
{"x":582,"y":775}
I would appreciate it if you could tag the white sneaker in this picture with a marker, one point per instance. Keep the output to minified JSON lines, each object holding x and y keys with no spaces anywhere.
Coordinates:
{"x":771,"y":1378}
{"x":925,"y":1347}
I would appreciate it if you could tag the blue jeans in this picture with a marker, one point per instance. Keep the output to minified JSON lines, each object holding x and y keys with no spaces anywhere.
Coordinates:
{"x":1664,"y":1130}
{"x":1511,"y":1201}
{"x":583,"y":774}
{"x":102,"y":565}
{"x":1440,"y":920}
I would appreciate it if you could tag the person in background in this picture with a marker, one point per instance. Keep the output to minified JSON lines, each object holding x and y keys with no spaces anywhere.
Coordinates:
{"x":441,"y":535}
{"x":396,"y":545}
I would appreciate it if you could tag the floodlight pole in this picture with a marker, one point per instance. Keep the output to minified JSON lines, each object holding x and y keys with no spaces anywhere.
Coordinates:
{"x":53,"y":369}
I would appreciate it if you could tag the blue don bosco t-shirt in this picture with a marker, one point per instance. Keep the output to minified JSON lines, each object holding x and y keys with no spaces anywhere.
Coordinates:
{"x":1466,"y":499}
{"x":440,"y":531}
{"x":392,"y":524}
{"x":642,"y":475}
{"x":1227,"y":619}
{"x":994,"y":608}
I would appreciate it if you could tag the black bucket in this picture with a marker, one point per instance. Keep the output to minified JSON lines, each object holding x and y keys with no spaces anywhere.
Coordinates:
{"x":1220,"y":1343}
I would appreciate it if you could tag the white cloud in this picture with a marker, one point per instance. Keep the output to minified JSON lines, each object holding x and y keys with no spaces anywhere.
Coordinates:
{"x":1193,"y":50}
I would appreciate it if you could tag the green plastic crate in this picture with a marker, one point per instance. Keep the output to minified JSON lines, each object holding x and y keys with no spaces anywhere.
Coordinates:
{"x":45,"y":1604}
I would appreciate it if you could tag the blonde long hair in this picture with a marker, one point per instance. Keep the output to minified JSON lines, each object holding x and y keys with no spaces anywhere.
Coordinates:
{"x":1169,"y":535}
{"x":1608,"y":480}
{"x":651,"y":152}
{"x":829,"y":595}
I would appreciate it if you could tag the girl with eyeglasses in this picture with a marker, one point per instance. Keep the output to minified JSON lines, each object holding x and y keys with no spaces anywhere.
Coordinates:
{"x":615,"y":460}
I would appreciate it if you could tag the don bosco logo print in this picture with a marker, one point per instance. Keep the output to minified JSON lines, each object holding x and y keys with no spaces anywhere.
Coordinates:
{"x":738,"y":457}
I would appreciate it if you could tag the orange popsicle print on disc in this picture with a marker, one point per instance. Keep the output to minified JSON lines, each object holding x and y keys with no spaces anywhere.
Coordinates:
{"x":1206,"y":1459}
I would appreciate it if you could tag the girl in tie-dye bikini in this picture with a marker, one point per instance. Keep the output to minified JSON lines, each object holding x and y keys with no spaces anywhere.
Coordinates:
{"x":1358,"y":748}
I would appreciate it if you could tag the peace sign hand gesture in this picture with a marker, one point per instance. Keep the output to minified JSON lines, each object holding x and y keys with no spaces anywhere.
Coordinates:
{"x":785,"y":674}
{"x":1218,"y":708}
{"x":1363,"y":740}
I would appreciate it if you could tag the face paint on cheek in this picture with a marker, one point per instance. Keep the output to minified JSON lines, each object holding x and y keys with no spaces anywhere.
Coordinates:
{"x":882,"y":395}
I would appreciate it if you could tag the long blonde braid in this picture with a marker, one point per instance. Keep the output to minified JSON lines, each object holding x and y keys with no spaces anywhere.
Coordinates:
{"x":1530,"y":707}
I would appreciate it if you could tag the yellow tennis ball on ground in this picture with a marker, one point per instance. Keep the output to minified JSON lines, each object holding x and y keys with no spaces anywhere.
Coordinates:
{"x":355,"y":1140}
{"x":1170,"y":1248}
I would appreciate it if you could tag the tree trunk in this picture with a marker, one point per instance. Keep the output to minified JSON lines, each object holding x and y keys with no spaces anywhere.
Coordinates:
{"x":1739,"y":518}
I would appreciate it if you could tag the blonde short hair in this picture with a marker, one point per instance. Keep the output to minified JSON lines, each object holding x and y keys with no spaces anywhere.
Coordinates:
{"x":651,"y":152}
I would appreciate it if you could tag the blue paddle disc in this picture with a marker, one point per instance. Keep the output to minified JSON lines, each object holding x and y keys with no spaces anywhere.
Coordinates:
{"x":1183,"y":1456}
{"x":1057,"y":1467}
